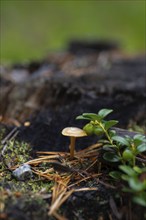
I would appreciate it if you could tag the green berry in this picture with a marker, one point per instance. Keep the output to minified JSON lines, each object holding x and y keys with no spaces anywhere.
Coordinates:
{"x":127,"y":155}
{"x":88,"y":128}
{"x":98,"y":131}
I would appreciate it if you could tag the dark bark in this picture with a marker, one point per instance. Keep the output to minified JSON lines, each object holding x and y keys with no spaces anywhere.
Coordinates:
{"x":76,"y":82}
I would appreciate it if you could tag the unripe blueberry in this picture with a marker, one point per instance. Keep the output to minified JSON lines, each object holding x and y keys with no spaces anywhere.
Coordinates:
{"x":127,"y":155}
{"x":88,"y":128}
{"x":98,"y":131}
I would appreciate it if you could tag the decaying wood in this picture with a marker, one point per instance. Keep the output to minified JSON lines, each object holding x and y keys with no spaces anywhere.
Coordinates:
{"x":67,"y":79}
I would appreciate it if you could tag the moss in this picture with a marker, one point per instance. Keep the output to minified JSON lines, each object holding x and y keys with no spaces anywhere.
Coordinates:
{"x":17,"y":153}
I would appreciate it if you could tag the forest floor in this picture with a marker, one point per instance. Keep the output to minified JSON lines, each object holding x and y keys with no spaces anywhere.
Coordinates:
{"x":41,"y":98}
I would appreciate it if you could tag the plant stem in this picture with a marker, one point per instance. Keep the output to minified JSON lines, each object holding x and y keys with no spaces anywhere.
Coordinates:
{"x":134,"y":161}
{"x":108,"y":137}
{"x":105,"y":131}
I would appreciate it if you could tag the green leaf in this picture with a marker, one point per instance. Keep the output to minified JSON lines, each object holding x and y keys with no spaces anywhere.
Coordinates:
{"x":115,"y":175}
{"x":128,"y":170}
{"x":137,"y":142}
{"x":110,"y":147}
{"x":137,"y":169}
{"x":112,"y":157}
{"x":141,"y":148}
{"x":121,"y":140}
{"x":103,"y":141}
{"x":140,"y":199}
{"x":125,"y":177}
{"x":107,"y":147}
{"x":82,"y":117}
{"x":135,"y":184}
{"x":104,"y":112}
{"x":109,"y":124}
{"x":92,"y":116}
{"x":140,"y":137}
{"x":129,"y":139}
{"x":112,"y":133}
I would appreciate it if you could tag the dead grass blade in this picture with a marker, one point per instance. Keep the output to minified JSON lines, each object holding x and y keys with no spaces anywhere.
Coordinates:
{"x":83,"y":179}
{"x":86,"y":189}
{"x":53,"y":153}
{"x":77,"y":171}
{"x":59,"y":194}
{"x":42,"y":159}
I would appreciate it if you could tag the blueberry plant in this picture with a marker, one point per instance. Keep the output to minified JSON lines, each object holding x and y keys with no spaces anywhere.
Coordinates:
{"x":125,"y":151}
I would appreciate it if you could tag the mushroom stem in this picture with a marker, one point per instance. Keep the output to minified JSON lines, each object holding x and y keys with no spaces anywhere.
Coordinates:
{"x":72,"y":146}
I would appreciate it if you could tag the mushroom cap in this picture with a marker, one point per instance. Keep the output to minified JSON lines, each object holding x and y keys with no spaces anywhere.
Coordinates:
{"x":73,"y":132}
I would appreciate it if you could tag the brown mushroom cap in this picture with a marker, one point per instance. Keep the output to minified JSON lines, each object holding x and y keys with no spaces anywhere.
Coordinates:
{"x":73,"y":132}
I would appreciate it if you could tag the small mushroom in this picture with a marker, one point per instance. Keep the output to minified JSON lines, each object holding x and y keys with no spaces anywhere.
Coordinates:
{"x":73,"y":133}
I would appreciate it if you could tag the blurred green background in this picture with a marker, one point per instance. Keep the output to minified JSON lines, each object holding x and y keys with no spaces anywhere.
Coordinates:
{"x":32,"y":28}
